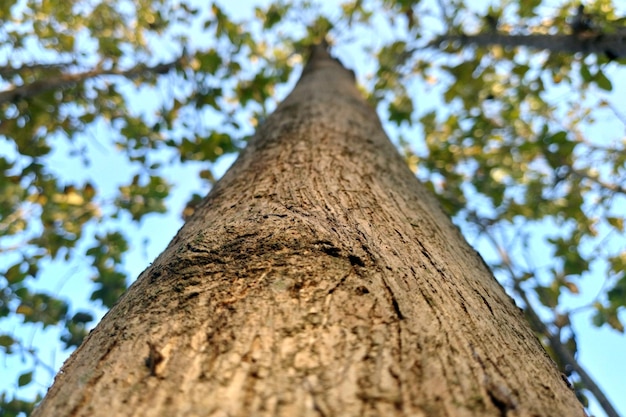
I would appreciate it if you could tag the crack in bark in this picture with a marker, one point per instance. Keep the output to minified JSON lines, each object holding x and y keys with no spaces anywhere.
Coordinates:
{"x":341,"y":281}
{"x":432,"y":262}
{"x":394,"y":301}
{"x":484,"y":301}
{"x":499,"y":394}
{"x":501,"y":398}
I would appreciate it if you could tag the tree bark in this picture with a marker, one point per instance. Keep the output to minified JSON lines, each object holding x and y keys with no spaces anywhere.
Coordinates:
{"x":318,"y":278}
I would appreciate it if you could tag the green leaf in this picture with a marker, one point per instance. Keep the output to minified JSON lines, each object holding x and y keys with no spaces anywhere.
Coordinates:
{"x":140,"y":198}
{"x":82,"y":317}
{"x":617,"y":294}
{"x":6,"y":341}
{"x":401,"y":109}
{"x":272,"y":16}
{"x":210,"y":61}
{"x":520,"y":70}
{"x":616,"y":222}
{"x":111,"y":285}
{"x":613,"y":320}
{"x":618,"y":266}
{"x":76,"y":329}
{"x":549,"y":296}
{"x":527,"y":7}
{"x":14,"y":274}
{"x":585,"y":73}
{"x":464,"y":72}
{"x":608,"y":316}
{"x":41,"y":308}
{"x":603,"y":82}
{"x":25,"y":379}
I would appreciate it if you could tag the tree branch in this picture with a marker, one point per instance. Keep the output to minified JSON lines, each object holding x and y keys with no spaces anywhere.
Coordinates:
{"x":612,"y":45}
{"x":65,"y":80}
{"x":539,"y":327}
{"x":565,"y":355}
{"x":616,"y":188}
{"x":9,"y":71}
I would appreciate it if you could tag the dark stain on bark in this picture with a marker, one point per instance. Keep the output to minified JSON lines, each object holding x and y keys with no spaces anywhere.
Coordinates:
{"x":155,"y":274}
{"x":362,"y":290}
{"x":328,"y":248}
{"x":153,"y":359}
{"x":355,"y":260}
{"x":501,"y":401}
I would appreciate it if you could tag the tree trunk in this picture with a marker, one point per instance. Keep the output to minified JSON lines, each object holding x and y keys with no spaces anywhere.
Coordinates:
{"x":318,"y":278}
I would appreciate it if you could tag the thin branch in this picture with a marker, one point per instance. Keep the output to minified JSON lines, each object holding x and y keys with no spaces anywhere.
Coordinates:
{"x":11,"y":218}
{"x":67,"y":80}
{"x":616,"y":188}
{"x":557,"y":346}
{"x":9,"y":71}
{"x":357,"y":4}
{"x":593,"y":147}
{"x":565,"y":355}
{"x":618,"y":114}
{"x":612,"y":45}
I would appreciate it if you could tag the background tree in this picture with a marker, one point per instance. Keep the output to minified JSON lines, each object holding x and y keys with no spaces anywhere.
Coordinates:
{"x":522,"y":146}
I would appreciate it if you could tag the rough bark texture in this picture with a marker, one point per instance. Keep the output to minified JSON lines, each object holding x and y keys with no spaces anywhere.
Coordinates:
{"x":318,"y":278}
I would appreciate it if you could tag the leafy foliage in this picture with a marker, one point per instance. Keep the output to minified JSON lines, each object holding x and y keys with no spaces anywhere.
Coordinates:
{"x":508,"y":137}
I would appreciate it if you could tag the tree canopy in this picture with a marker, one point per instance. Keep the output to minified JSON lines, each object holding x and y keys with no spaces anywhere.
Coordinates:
{"x":111,"y":114}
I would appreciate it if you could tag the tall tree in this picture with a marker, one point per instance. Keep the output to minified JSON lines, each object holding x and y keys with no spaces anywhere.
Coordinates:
{"x":319,"y":277}
{"x":504,"y":111}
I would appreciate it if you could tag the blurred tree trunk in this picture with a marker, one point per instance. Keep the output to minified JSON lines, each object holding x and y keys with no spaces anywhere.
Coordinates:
{"x":318,"y":278}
